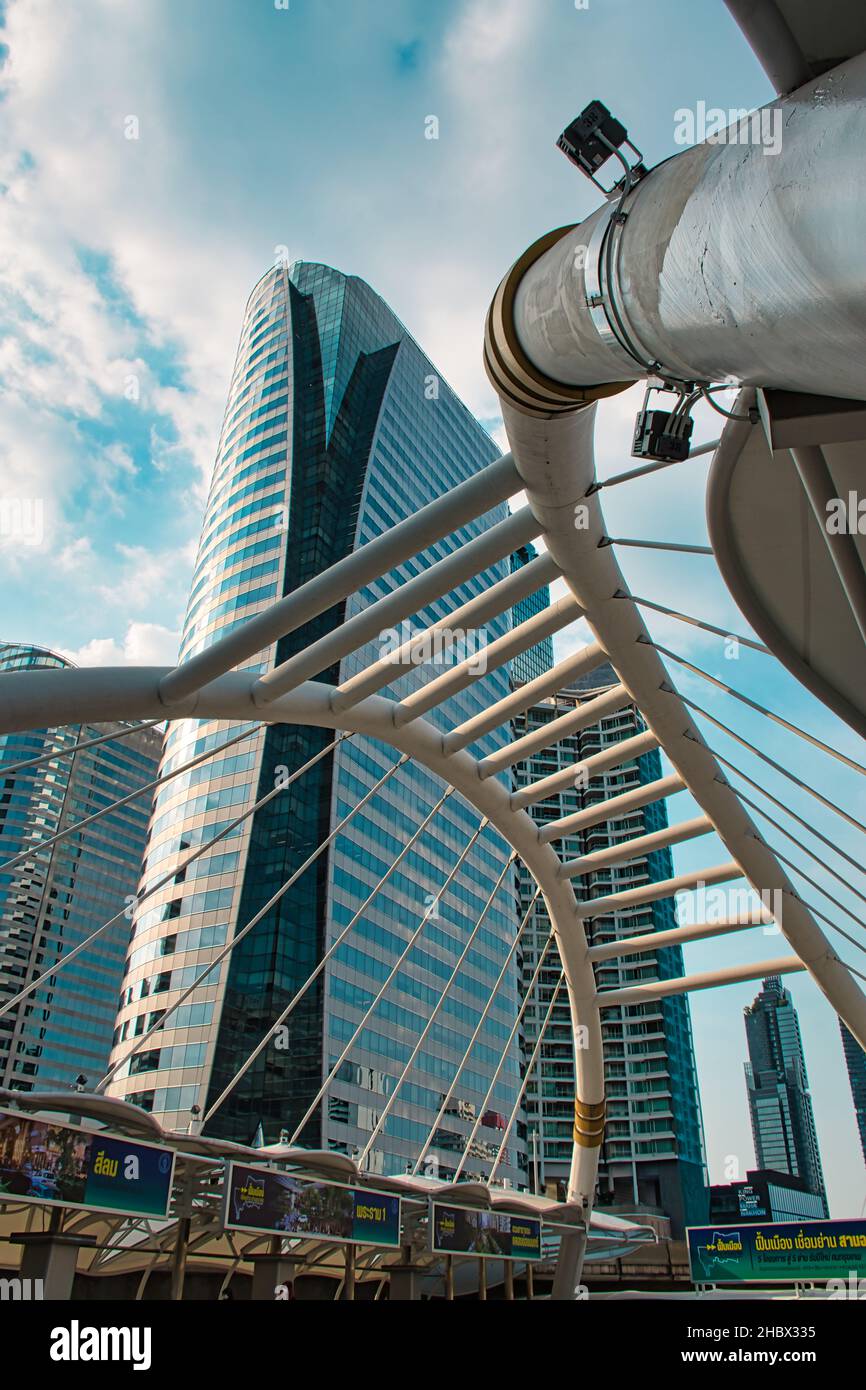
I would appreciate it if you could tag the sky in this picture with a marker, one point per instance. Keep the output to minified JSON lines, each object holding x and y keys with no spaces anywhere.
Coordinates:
{"x":158,"y":157}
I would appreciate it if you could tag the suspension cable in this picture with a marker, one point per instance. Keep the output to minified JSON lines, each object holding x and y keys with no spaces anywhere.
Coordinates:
{"x":828,"y":921}
{"x":332,"y":950}
{"x":765,"y":758}
{"x":478,"y":1027}
{"x":799,"y":844}
{"x":80,"y":747}
{"x":695,"y":622}
{"x":789,"y":863}
{"x":35,"y":850}
{"x":252,"y":924}
{"x":738,"y":771}
{"x":753,"y":704}
{"x":378,"y":999}
{"x":655,"y":545}
{"x":510,"y":1039}
{"x":161,"y":883}
{"x":532,"y":1061}
{"x":651,"y":468}
{"x":380,"y":1124}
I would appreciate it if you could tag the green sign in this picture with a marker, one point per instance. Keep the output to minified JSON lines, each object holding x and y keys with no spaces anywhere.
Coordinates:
{"x":781,"y":1253}
{"x":488,"y":1235}
{"x":63,"y":1166}
{"x":258,"y":1199}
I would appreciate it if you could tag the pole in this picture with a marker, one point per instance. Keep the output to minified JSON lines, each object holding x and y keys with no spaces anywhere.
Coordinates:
{"x":178,"y":1269}
{"x":349,"y":1291}
{"x":449,"y":1278}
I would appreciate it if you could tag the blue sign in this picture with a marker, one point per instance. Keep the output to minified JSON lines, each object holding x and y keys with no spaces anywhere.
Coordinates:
{"x":258,"y":1199}
{"x":488,"y":1235}
{"x":61,"y":1165}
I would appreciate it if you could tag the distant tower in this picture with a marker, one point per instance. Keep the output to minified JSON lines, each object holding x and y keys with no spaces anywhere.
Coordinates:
{"x":52,"y":898}
{"x":856,"y":1059}
{"x":783,"y":1124}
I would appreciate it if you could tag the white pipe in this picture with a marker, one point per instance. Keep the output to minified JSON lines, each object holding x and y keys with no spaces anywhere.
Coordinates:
{"x":654,"y":892}
{"x":625,"y":850}
{"x":490,"y":487}
{"x":476,"y":667}
{"x":492,"y":603}
{"x":590,"y":712}
{"x":690,"y":984}
{"x":651,"y":942}
{"x":613,"y":808}
{"x":414,"y":596}
{"x":524,"y":697}
{"x":625,"y":751}
{"x":727,"y":252}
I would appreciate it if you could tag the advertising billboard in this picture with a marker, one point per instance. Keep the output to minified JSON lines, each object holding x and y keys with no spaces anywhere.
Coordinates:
{"x":62,"y":1165}
{"x":487,"y":1235}
{"x":277,"y":1204}
{"x":778,"y":1253}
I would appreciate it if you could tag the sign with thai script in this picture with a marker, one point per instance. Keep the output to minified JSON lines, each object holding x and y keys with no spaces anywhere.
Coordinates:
{"x":781,"y":1253}
{"x":487,"y":1235}
{"x":258,"y":1199}
{"x":64,"y":1166}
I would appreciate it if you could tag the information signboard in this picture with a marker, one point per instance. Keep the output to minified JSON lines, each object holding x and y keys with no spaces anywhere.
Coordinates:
{"x":258,"y":1199}
{"x":779,"y":1253}
{"x":487,"y":1235}
{"x":63,"y":1165}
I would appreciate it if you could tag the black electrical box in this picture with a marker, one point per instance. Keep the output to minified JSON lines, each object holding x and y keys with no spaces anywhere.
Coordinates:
{"x":653,"y":438}
{"x":581,"y":143}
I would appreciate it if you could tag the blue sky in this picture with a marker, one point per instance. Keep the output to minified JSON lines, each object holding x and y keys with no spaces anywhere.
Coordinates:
{"x":125,"y":265}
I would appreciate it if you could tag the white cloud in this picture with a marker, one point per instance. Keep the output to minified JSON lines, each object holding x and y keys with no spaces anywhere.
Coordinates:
{"x":144,"y":644}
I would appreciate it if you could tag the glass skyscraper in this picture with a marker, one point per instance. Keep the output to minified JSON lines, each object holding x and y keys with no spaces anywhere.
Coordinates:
{"x":855,"y":1059}
{"x":783,"y":1124}
{"x":653,"y":1153}
{"x":51,"y":899}
{"x":337,"y":426}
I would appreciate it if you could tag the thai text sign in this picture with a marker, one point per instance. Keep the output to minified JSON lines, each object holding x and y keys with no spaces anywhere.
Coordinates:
{"x":260,"y":1200}
{"x":42,"y":1161}
{"x":485,"y":1234}
{"x":779,"y":1253}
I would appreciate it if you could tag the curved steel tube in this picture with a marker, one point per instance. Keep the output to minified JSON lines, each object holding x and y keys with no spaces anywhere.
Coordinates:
{"x":35,"y":699}
{"x":727,"y":253}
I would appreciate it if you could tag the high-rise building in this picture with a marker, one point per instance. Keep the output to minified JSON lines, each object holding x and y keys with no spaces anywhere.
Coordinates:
{"x":764,"y":1196}
{"x":337,"y":426}
{"x":783,"y":1124}
{"x":653,"y":1154}
{"x":855,"y":1058}
{"x":52,"y":898}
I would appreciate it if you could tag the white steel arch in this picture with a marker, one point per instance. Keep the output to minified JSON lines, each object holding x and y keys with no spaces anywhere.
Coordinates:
{"x":550,"y":342}
{"x":556,"y":459}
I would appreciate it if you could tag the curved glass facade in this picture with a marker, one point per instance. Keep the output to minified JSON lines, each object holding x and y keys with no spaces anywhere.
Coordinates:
{"x":54,"y":898}
{"x":337,"y":426}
